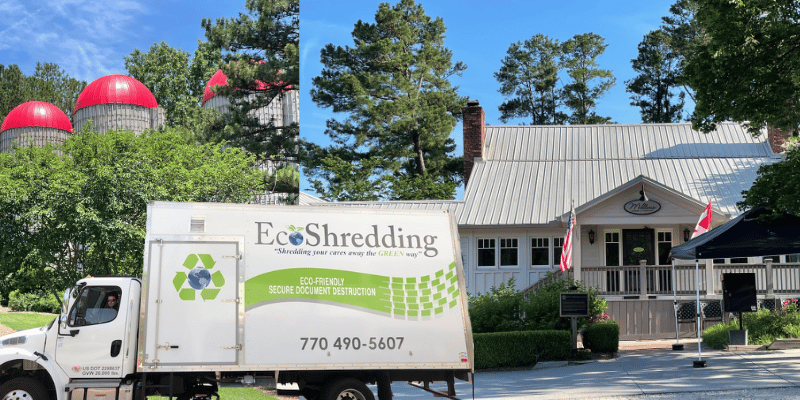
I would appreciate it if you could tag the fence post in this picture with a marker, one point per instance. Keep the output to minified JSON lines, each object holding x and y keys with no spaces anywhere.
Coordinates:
{"x":643,"y":279}
{"x":770,"y":281}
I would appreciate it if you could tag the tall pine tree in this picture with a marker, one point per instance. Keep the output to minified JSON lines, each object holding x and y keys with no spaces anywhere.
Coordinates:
{"x":394,"y":84}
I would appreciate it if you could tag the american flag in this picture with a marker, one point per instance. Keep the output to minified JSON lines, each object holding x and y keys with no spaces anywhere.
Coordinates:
{"x":705,"y":221}
{"x":566,"y":250}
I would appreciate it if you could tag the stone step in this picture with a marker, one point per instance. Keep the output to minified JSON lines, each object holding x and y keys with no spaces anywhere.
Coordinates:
{"x":784,"y":344}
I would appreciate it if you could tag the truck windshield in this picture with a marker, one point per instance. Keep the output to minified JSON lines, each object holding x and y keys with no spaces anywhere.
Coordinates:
{"x":95,"y":305}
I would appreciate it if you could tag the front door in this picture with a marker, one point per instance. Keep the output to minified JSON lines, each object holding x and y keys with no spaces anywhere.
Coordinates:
{"x":637,"y":245}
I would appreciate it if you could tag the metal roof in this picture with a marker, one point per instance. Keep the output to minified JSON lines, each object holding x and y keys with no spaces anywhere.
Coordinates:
{"x":36,"y":113}
{"x":604,"y":142}
{"x":530,"y":174}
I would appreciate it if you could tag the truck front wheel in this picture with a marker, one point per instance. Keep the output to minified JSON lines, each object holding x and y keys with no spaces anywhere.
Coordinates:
{"x":347,"y":389}
{"x":23,"y":389}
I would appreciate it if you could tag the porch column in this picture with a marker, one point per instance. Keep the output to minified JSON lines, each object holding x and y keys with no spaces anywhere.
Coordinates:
{"x":770,"y":279}
{"x":643,"y":279}
{"x":711,"y":278}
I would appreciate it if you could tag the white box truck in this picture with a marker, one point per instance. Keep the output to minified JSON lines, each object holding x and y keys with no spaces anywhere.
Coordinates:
{"x":328,"y":298}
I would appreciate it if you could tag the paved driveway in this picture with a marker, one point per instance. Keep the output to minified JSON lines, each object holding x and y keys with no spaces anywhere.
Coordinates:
{"x":642,"y":373}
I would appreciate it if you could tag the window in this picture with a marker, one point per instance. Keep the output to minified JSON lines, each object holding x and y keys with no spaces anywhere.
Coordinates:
{"x":664,"y":246}
{"x":612,"y":249}
{"x":509,"y":249}
{"x":774,"y":259}
{"x":486,"y":253}
{"x":740,"y":260}
{"x":793,"y":258}
{"x":540,"y":251}
{"x":558,"y":245}
{"x":95,"y":305}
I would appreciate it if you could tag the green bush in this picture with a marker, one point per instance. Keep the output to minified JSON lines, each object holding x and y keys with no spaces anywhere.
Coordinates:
{"x":496,"y":311}
{"x":521,"y":348}
{"x":602,"y":337}
{"x":37,"y":302}
{"x":716,"y":335}
{"x":763,"y":327}
{"x":505,"y":309}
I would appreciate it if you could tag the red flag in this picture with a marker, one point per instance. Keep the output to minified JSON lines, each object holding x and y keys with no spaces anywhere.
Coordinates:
{"x":566,"y":250}
{"x":705,"y":222}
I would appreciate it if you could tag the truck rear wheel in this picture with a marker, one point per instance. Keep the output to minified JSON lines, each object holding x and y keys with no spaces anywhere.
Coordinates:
{"x":23,"y":389}
{"x":347,"y":389}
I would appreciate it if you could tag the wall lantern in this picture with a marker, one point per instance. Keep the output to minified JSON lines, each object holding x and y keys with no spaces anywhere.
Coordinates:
{"x":686,"y":234}
{"x":591,"y":236}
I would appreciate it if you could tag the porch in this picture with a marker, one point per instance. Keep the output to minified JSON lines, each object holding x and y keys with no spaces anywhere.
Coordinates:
{"x":640,"y":298}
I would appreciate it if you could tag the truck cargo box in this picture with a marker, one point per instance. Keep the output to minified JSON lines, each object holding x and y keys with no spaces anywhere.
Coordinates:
{"x":245,"y":287}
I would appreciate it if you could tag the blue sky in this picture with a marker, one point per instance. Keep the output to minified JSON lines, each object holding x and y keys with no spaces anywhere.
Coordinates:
{"x":479,"y":33}
{"x":89,"y":38}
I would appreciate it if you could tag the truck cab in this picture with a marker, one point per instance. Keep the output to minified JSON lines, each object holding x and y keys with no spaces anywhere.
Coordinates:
{"x":88,"y":349}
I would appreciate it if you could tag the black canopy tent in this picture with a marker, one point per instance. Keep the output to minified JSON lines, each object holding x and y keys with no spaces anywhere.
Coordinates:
{"x":745,"y":236}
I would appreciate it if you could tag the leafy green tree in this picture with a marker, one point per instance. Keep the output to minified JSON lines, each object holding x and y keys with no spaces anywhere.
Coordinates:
{"x":394,"y":84}
{"x":48,"y":83}
{"x":176,"y":81}
{"x":587,"y":82}
{"x":685,"y":35}
{"x":749,"y":70}
{"x":653,"y":90}
{"x":85,"y":213}
{"x":777,"y":185}
{"x":529,"y":76}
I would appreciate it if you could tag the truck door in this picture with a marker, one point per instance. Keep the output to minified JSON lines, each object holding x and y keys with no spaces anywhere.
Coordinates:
{"x":93,"y":340}
{"x":192,"y":307}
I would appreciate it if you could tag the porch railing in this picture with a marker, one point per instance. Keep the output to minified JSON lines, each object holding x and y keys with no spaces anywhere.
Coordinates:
{"x":646,"y":280}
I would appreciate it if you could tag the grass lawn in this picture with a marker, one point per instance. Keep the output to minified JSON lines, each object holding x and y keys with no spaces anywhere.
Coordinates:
{"x":22,"y":321}
{"x":243,"y":394}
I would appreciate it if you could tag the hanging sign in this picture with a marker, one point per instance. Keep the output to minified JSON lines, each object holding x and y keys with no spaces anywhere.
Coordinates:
{"x":642,"y":207}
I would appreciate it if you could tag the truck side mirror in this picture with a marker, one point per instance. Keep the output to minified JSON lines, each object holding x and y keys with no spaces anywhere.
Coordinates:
{"x":65,"y":303}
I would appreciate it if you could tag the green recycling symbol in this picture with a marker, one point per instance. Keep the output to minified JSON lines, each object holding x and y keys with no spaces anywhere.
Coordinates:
{"x":199,"y":278}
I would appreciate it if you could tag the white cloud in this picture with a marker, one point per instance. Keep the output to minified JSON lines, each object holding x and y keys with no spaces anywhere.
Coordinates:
{"x":78,"y":35}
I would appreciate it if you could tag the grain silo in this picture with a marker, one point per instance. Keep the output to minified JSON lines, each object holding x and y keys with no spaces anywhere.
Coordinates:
{"x":34,"y":123}
{"x":118,"y":102}
{"x":282,"y":110}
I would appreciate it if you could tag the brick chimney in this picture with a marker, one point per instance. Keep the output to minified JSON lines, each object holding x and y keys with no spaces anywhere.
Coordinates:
{"x":775,"y":137}
{"x":474,"y":136}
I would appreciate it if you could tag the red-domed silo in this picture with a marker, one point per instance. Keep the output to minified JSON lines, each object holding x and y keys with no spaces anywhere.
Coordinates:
{"x":284,"y":109}
{"x":34,"y":123}
{"x":118,"y":102}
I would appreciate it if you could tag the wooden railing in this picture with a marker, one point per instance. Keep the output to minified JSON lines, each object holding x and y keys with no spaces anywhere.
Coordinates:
{"x":648,"y":280}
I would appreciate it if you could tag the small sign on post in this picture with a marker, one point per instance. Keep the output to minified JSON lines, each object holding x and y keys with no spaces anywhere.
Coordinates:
{"x":574,"y":305}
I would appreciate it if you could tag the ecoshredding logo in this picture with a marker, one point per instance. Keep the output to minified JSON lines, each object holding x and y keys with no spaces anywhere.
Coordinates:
{"x":199,"y":278}
{"x":378,"y":237}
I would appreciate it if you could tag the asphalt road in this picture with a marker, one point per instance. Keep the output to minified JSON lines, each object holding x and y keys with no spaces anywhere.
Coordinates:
{"x":642,"y":374}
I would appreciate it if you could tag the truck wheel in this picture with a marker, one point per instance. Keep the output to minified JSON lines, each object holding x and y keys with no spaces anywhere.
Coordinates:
{"x":23,"y":389}
{"x":347,"y":389}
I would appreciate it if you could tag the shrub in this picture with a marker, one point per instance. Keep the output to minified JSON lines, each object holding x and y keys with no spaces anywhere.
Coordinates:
{"x":37,"y":302}
{"x":763,"y":327}
{"x":521,"y":348}
{"x":541,"y":310}
{"x":716,"y":335}
{"x":496,"y":311}
{"x":602,"y":337}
